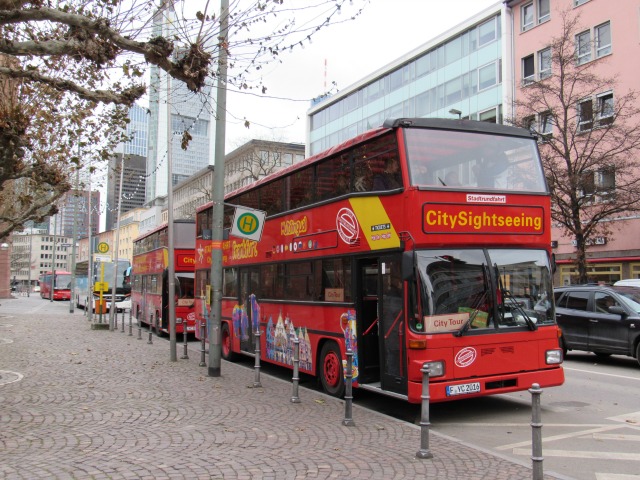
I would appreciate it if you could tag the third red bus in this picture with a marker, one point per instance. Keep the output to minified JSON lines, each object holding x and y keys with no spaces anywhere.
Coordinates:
{"x":60,"y":284}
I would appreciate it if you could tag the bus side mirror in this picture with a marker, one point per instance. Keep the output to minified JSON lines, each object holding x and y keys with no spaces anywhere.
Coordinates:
{"x":408,"y":260}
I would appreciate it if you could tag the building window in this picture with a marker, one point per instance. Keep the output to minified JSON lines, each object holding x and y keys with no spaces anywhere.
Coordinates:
{"x":585,"y":115}
{"x":487,"y":76}
{"x":488,"y":116}
{"x":546,"y":124}
{"x":526,"y":13}
{"x":544,"y":63}
{"x":528,"y":70}
{"x":577,"y":3}
{"x":544,"y":11}
{"x":603,"y":39}
{"x":583,"y":47}
{"x":601,"y":182}
{"x":487,"y":32}
{"x":605,"y":109}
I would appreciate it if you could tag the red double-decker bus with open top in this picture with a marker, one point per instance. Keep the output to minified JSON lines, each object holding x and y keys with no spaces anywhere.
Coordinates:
{"x":149,"y":277}
{"x":422,"y":242}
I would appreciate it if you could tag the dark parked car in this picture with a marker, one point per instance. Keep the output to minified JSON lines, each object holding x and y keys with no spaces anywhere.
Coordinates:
{"x":599,"y":318}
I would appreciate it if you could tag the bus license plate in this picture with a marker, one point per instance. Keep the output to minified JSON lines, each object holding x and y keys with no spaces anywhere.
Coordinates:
{"x":463,"y":389}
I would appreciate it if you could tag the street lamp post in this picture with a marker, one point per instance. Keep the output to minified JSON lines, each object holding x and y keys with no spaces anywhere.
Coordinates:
{"x":116,"y":246}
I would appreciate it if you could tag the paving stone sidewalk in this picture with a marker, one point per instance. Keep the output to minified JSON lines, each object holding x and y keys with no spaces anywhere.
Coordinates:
{"x":78,"y":403}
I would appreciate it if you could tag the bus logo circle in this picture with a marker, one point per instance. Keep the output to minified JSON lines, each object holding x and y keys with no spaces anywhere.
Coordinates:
{"x":248,"y":223}
{"x":466,"y":357}
{"x":347,"y":225}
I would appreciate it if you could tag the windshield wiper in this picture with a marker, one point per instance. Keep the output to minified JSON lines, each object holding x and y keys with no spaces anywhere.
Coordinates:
{"x":476,"y":306}
{"x":507,"y":295}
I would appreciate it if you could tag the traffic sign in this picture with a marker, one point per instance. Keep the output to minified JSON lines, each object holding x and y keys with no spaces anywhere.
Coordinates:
{"x":248,"y":223}
{"x":101,"y":287}
{"x":103,"y":247}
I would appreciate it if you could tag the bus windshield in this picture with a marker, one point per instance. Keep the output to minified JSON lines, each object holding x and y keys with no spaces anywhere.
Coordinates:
{"x":483,"y":289}
{"x":63,"y":281}
{"x":453,"y":159}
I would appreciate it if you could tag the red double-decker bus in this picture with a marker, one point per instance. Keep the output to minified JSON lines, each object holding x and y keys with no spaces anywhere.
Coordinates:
{"x":423,"y":242}
{"x":58,"y":283}
{"x":150,"y":285}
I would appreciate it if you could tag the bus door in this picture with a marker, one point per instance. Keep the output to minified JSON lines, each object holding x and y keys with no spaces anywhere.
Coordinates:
{"x":367,"y":321}
{"x":248,"y":285}
{"x":391,"y":318}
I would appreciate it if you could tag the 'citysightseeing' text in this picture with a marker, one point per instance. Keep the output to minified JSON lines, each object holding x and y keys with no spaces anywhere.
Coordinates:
{"x":457,"y":220}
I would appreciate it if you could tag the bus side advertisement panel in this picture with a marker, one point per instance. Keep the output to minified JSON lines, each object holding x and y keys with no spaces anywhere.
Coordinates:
{"x":454,"y":218}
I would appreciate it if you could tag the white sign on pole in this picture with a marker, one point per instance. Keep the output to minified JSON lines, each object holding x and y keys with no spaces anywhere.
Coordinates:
{"x":248,"y":223}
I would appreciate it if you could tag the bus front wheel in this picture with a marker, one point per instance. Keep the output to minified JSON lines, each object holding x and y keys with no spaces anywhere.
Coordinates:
{"x":331,"y":375}
{"x":227,"y":351}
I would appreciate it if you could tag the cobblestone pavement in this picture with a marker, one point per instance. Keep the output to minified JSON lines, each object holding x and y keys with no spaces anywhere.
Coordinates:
{"x":82,"y":403}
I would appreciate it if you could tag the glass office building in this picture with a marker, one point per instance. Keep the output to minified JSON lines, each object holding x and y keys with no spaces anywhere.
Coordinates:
{"x":459,"y":71}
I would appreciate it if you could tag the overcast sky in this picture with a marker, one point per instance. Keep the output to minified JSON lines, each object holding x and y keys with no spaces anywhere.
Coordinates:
{"x":386,"y":30}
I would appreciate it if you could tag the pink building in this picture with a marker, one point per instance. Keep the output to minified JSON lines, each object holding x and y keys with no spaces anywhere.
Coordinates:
{"x":608,"y":39}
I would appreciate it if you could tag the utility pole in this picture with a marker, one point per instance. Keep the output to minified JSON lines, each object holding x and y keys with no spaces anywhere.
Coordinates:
{"x":90,"y":302}
{"x":74,"y":240}
{"x":29,"y":272}
{"x":217,"y":195}
{"x":171,"y":274}
{"x":53,"y":263}
{"x":116,"y":246}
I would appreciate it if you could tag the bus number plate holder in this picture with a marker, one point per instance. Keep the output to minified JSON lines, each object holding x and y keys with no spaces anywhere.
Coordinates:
{"x":463,"y":389}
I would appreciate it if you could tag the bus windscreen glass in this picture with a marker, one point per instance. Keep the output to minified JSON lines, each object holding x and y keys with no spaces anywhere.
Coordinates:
{"x":474,"y":160}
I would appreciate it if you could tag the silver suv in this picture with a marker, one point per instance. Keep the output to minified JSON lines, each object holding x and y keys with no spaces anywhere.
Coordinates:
{"x":599,"y":318}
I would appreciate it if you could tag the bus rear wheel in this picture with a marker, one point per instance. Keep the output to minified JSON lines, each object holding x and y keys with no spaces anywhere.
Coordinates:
{"x":227,"y":351}
{"x":331,"y":375}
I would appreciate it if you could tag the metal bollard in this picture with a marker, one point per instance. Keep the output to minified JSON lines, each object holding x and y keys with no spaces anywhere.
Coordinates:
{"x":185,"y":355}
{"x":536,"y":432}
{"x":348,"y":392}
{"x":130,"y":325}
{"x":256,"y":381}
{"x":202,"y":345}
{"x":296,"y":368}
{"x":424,"y":451}
{"x":122,"y":327}
{"x":150,"y":341}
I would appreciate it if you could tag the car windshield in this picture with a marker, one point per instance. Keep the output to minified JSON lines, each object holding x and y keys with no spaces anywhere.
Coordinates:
{"x":483,"y":289}
{"x":630,"y":296}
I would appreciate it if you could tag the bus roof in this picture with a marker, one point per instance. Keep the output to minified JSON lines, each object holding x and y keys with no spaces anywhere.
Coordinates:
{"x":388,"y":125}
{"x":460,"y":125}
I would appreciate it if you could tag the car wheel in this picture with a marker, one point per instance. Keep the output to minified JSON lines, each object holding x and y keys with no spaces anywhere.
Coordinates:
{"x":226,"y":344}
{"x":331,"y":375}
{"x":602,"y":354}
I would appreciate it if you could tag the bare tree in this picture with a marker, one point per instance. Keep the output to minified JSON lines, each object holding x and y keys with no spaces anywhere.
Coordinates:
{"x":256,"y":159}
{"x":589,"y":135}
{"x":72,"y":66}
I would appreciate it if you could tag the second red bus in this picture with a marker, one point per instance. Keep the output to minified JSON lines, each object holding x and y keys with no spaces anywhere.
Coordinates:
{"x":59,"y":284}
{"x":150,"y":282}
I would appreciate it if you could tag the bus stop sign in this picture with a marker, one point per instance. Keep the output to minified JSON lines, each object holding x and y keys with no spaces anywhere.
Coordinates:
{"x":101,"y":287}
{"x":248,"y":223}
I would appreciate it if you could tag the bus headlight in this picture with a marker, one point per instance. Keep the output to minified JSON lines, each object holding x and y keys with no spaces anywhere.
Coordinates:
{"x":436,"y":369}
{"x":553,"y":357}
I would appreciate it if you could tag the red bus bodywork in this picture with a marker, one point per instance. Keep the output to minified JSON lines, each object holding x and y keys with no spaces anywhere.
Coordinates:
{"x":374,"y":232}
{"x":149,"y":293}
{"x":62,"y":285}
